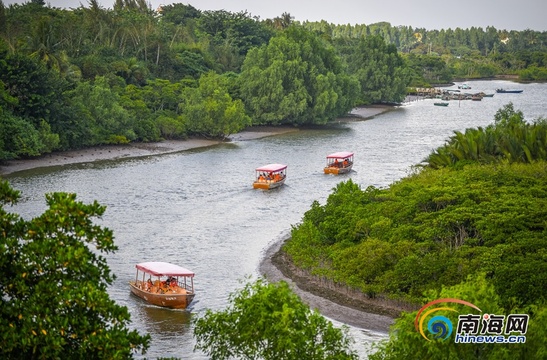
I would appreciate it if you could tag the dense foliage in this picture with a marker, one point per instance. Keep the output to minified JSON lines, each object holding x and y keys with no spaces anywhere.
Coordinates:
{"x":53,"y":285}
{"x":509,"y":139}
{"x":478,"y":208}
{"x":269,"y":321}
{"x":432,"y":229}
{"x":382,"y":73}
{"x":86,"y":76}
{"x":460,"y":53}
{"x":297,"y":78}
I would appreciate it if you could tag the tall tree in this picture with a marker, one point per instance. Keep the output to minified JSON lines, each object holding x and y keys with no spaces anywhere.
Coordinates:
{"x":381,"y":71}
{"x":296,"y":79}
{"x":210,"y":110}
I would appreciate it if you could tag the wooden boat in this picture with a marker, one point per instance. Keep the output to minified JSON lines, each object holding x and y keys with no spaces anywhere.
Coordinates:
{"x":339,"y":163}
{"x":504,"y":91}
{"x":164,"y":284}
{"x":270,"y":176}
{"x":440,"y":103}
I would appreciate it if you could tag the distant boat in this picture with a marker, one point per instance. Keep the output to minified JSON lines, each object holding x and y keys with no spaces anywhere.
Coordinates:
{"x":486,"y":95}
{"x":464,"y":86}
{"x":504,"y":91}
{"x":440,"y":103}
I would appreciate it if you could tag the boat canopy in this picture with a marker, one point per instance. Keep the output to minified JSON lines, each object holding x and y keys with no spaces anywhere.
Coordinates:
{"x":340,"y":155}
{"x":159,"y":268}
{"x":272,"y":167}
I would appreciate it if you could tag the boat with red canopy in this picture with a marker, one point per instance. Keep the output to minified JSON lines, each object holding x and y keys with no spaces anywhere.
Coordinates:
{"x":270,"y":176}
{"x":164,"y":284}
{"x":339,"y":163}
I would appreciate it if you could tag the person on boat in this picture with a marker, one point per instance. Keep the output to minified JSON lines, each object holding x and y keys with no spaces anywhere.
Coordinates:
{"x":345,"y":163}
{"x":261,"y":177}
{"x":155,"y":288}
{"x":336,"y":164}
{"x":164,"y":286}
{"x":149,"y":285}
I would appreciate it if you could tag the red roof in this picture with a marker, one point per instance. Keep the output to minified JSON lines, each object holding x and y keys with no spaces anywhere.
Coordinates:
{"x":340,"y":155}
{"x":159,"y":268}
{"x":272,"y":167}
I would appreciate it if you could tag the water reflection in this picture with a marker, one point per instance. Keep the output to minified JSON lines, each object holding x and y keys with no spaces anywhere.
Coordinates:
{"x":168,"y":322}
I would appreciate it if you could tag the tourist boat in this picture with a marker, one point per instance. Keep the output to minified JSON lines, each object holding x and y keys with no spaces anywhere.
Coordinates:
{"x":270,"y":176}
{"x":164,"y":284}
{"x":440,"y":103}
{"x":339,"y":163}
{"x":504,"y":91}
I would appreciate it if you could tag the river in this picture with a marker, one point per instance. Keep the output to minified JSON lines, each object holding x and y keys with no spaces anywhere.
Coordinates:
{"x":197,"y":208}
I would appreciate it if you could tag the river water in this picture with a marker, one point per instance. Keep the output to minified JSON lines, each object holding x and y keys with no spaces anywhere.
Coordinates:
{"x":197,"y":208}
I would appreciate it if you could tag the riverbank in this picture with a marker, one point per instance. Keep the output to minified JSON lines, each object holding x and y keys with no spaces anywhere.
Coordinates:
{"x":127,"y":151}
{"x":345,"y":309}
{"x":135,"y":150}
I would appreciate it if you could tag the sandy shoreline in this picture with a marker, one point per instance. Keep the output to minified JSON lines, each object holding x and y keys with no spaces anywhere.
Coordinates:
{"x":328,"y":308}
{"x":126,"y":151}
{"x":134,"y":150}
{"x":336,"y":311}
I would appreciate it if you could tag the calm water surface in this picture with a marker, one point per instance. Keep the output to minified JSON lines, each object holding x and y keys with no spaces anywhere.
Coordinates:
{"x":198,"y":208}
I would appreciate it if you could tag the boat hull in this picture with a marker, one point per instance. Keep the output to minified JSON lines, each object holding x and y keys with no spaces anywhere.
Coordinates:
{"x":501,"y":91}
{"x":337,"y":170}
{"x":268,"y":184}
{"x":167,"y":300}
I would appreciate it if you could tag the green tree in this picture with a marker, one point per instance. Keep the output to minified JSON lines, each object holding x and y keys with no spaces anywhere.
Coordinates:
{"x":179,"y":14}
{"x":39,"y":91}
{"x":269,"y":321}
{"x":510,"y":139}
{"x":53,"y":285}
{"x":296,"y":79}
{"x":210,"y":110}
{"x":432,"y":229}
{"x":102,"y":118}
{"x":381,"y":71}
{"x":19,"y":138}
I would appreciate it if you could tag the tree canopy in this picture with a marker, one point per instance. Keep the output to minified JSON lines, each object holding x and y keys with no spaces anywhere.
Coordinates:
{"x":268,"y":321}
{"x":89,"y":76}
{"x":296,"y":79}
{"x":53,"y":285}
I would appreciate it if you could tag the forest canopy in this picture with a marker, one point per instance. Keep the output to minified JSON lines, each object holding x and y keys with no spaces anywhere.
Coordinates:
{"x":86,"y":76}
